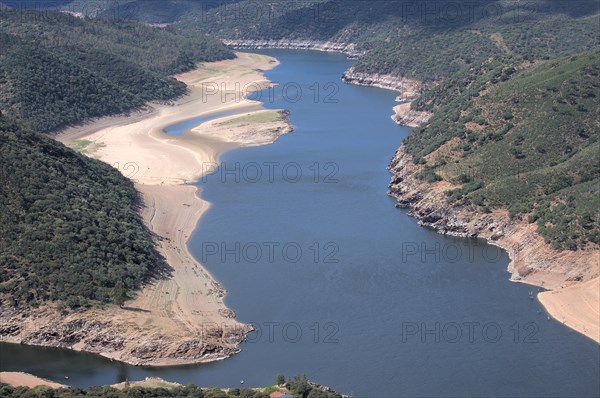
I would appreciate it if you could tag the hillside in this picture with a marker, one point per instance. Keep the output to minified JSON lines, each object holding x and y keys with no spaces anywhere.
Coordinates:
{"x":427,"y":40}
{"x":69,"y":226}
{"x":529,"y":144}
{"x":56,"y":69}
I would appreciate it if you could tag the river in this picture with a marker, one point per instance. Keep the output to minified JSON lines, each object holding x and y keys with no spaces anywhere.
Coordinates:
{"x":340,"y":284}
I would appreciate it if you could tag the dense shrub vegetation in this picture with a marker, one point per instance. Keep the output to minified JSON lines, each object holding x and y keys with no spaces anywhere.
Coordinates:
{"x":299,"y":387}
{"x":529,"y":143}
{"x":69,"y":229}
{"x":426,"y":39}
{"x":57,"y":69}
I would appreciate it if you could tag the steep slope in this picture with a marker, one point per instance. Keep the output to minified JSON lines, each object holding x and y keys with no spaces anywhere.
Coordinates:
{"x":56,"y":69}
{"x":519,"y":164}
{"x":425,"y":40}
{"x":530,"y":144}
{"x":69,"y":226}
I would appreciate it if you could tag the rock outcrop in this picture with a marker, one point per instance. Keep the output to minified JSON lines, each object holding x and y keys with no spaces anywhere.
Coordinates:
{"x":409,"y":89}
{"x":349,"y":49}
{"x":406,"y":116}
{"x":532,"y":260}
{"x":97,"y":332}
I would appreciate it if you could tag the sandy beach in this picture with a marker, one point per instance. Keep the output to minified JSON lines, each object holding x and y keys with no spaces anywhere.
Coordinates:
{"x":179,"y":318}
{"x":576,"y":306}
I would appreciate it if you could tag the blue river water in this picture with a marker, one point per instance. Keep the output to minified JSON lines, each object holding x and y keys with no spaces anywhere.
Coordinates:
{"x":341,"y":285}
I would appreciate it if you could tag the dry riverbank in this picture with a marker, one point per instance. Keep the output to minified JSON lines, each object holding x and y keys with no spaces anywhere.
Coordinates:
{"x":179,"y":317}
{"x":20,"y":379}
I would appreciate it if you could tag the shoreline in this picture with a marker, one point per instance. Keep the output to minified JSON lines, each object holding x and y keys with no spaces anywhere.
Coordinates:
{"x":179,"y":317}
{"x":563,"y":294}
{"x":409,"y":89}
{"x":169,"y":190}
{"x":569,"y":278}
{"x":349,"y":49}
{"x":22,"y":379}
{"x":31,"y":381}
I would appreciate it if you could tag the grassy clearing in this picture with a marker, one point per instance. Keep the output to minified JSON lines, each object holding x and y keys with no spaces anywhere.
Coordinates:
{"x":257,"y":117}
{"x":86,"y":147}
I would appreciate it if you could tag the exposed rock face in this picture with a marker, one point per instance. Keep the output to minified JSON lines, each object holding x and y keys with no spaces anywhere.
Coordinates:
{"x":410,"y":89}
{"x":96,"y":332}
{"x":533,"y":261}
{"x":328,"y":46}
{"x":405,"y":116}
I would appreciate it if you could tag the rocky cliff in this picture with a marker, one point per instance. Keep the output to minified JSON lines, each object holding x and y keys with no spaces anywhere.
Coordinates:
{"x":532,"y":260}
{"x":409,"y":90}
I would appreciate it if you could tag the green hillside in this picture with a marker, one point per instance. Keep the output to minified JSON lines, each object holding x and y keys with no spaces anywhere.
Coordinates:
{"x":56,"y":69}
{"x":530,"y":144}
{"x":442,"y":50}
{"x":69,"y":227}
{"x":426,"y":39}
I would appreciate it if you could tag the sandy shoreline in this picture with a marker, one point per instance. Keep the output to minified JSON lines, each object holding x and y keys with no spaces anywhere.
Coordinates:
{"x":179,"y":318}
{"x":162,"y":166}
{"x":576,"y":306}
{"x":21,"y":379}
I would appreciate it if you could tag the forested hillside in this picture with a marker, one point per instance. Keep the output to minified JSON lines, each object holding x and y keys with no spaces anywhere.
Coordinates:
{"x":426,"y":39}
{"x":56,"y":69}
{"x":527,"y":140}
{"x":69,"y":227}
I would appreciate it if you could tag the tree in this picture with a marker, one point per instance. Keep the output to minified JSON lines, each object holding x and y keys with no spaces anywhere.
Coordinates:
{"x":280,"y":379}
{"x":119,"y":294}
